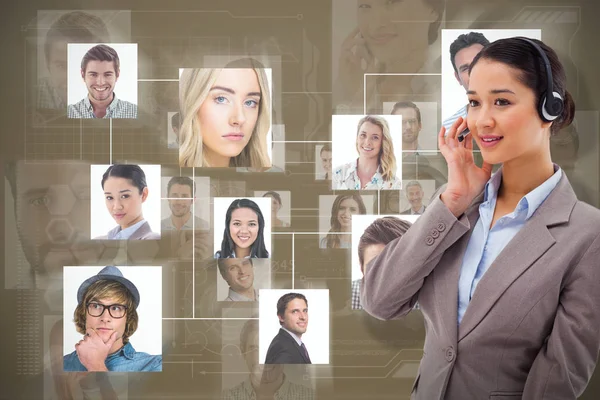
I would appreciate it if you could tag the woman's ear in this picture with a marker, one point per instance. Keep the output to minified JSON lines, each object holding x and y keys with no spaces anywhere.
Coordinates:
{"x":144,"y":194}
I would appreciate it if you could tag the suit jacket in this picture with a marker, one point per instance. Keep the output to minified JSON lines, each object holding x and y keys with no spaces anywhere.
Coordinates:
{"x":532,"y":328}
{"x":408,"y":212}
{"x":144,"y":232}
{"x":285,"y":350}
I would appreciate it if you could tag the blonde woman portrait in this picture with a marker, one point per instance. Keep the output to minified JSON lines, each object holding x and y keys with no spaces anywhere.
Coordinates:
{"x":225,"y":116}
{"x":375,"y":167}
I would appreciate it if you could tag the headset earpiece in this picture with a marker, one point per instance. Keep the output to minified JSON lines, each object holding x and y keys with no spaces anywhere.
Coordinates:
{"x":550,"y":110}
{"x":551,"y":103}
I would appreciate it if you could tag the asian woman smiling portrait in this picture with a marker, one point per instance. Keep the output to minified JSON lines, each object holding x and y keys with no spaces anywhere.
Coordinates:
{"x":505,"y":266}
{"x":225,"y":116}
{"x":125,"y":189}
{"x":243,"y":235}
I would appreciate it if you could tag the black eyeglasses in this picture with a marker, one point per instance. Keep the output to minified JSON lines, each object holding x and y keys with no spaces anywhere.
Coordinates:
{"x":115,"y":310}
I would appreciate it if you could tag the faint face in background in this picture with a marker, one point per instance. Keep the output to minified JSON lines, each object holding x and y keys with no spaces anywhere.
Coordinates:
{"x":181,"y":200}
{"x":238,"y":273}
{"x":347,"y":209}
{"x":259,"y":373}
{"x":414,"y":194}
{"x":411,"y":127}
{"x":229,"y":113}
{"x":326,"y":161}
{"x":394,"y":29}
{"x":57,"y":65}
{"x":52,"y":212}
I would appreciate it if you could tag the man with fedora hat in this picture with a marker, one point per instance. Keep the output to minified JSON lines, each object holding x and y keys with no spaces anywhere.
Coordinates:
{"x":106,"y":315}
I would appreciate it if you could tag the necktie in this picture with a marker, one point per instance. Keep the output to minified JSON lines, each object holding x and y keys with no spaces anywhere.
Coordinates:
{"x":305,"y":352}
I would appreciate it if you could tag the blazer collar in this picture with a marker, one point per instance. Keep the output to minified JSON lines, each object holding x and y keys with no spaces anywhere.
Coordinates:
{"x":141,"y":231}
{"x":528,"y":245}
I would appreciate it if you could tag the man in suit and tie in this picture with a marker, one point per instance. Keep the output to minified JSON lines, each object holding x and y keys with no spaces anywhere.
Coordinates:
{"x":287,"y":347}
{"x":414,"y":194}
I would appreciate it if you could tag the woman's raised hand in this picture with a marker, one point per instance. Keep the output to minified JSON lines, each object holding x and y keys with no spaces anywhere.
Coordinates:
{"x":465,"y":179}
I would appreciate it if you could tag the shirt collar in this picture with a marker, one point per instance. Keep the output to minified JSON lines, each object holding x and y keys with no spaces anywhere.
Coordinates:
{"x":235,"y":296}
{"x":532,"y":200}
{"x":111,"y":106}
{"x":352,"y":170}
{"x":126,"y":351}
{"x":129,"y":231}
{"x":296,"y":338}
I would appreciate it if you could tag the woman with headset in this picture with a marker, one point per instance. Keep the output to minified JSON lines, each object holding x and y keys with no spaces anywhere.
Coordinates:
{"x":505,"y":267}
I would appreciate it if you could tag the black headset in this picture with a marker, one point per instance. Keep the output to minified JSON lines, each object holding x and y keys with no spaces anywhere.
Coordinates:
{"x":551,"y":103}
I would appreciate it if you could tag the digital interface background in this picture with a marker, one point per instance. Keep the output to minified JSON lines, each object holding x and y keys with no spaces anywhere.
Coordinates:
{"x":46,"y":160}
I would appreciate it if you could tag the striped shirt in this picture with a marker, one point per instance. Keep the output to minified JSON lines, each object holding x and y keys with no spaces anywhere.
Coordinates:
{"x":117,"y":109}
{"x":460,"y":113}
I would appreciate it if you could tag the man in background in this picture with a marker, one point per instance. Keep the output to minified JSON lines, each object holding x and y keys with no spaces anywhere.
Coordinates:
{"x":181,"y":193}
{"x":239,"y":275}
{"x":462,"y":52}
{"x":287,"y":346}
{"x":414,"y":195}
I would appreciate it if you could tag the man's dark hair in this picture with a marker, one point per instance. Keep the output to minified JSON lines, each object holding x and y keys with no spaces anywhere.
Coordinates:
{"x":285,"y":299}
{"x":181,"y":180}
{"x":466,"y":40}
{"x":101,"y":52}
{"x":407,"y":104}
{"x":175,"y":121}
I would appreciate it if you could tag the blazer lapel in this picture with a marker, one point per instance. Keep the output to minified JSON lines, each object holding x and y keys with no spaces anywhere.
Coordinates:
{"x":446,"y":274}
{"x":528,"y":245}
{"x":141,"y":231}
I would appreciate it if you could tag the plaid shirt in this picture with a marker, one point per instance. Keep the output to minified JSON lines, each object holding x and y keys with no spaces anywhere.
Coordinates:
{"x":117,"y":109}
{"x":356,"y":295}
{"x":48,"y":97}
{"x":287,"y":391}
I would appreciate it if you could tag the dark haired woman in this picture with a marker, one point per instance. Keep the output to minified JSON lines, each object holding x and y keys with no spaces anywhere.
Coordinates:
{"x":244,"y":230}
{"x":505,"y":267}
{"x":343,"y":208}
{"x":125,"y":190}
{"x":275,"y":207}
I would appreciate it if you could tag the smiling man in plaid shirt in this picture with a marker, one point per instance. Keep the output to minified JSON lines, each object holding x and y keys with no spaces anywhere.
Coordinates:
{"x":100,"y":72}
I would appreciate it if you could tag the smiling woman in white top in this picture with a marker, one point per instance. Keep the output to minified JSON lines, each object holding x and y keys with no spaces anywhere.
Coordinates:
{"x":375,"y":167}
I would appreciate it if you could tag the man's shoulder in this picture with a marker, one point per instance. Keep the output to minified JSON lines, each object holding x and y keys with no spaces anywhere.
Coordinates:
{"x":76,"y":110}
{"x":125,"y":109}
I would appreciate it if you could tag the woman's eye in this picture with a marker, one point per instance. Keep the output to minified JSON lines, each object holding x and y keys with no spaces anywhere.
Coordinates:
{"x":116,"y":308}
{"x":221,"y":99}
{"x":501,"y":102}
{"x":109,"y":198}
{"x":125,"y":196}
{"x":473,"y":103}
{"x":251,"y":103}
{"x":40,"y":201}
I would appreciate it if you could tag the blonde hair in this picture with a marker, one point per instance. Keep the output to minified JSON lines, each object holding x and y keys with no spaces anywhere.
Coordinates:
{"x":387,"y":159}
{"x":194,"y":86}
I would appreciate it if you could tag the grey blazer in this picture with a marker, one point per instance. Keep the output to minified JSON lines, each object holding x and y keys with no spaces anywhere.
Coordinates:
{"x":532,"y":328}
{"x":144,"y":232}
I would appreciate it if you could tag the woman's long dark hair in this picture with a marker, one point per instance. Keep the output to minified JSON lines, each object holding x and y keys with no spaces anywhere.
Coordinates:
{"x":258,"y":249}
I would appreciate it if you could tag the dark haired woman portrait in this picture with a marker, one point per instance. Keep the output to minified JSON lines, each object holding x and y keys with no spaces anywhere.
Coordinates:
{"x":275,"y":207}
{"x":244,"y":231}
{"x":505,"y":266}
{"x":343,"y":208}
{"x":125,"y":190}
